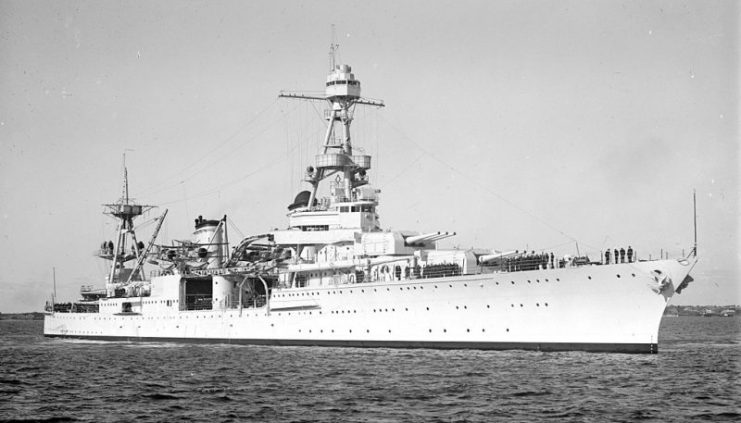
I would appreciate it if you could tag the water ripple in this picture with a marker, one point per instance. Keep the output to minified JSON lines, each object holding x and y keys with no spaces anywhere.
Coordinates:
{"x":694,"y":378}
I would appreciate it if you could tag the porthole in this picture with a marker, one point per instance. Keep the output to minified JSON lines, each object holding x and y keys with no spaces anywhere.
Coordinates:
{"x":633,"y":274}
{"x":507,"y":329}
{"x":428,"y":309}
{"x":537,"y":304}
{"x":589,"y":277}
{"x":430,"y":330}
{"x":456,"y":307}
{"x":618,"y":275}
{"x":520,"y":305}
{"x":487,"y":306}
{"x":546,"y":304}
{"x":468,"y":330}
{"x":445,"y":330}
{"x":513,"y":282}
{"x":465,"y":284}
{"x":529,"y":281}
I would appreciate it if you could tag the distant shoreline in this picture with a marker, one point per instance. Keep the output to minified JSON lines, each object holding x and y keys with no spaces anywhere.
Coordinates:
{"x":34,"y":315}
{"x":702,"y":310}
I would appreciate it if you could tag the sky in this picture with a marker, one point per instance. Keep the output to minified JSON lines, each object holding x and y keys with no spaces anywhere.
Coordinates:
{"x":564,"y":126}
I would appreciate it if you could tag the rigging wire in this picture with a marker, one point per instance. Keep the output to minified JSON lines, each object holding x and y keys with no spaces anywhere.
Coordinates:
{"x":234,"y":227}
{"x":145,"y":223}
{"x":476,"y":181}
{"x":407,"y":168}
{"x":209,"y":165}
{"x":279,"y":158}
{"x":199,"y":162}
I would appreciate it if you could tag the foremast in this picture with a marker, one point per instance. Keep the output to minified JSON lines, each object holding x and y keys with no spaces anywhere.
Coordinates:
{"x":342,"y":92}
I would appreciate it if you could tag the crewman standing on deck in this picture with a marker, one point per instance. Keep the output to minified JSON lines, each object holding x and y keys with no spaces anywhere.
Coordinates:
{"x":630,"y":254}
{"x":607,"y":256}
{"x":622,"y":255}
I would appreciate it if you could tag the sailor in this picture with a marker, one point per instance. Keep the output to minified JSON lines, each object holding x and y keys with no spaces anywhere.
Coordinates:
{"x":630,"y":254}
{"x":607,"y":256}
{"x":617,"y":254}
{"x":622,"y":255}
{"x":551,"y":259}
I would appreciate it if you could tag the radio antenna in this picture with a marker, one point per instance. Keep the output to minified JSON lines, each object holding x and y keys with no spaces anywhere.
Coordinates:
{"x":333,"y":46}
{"x":694,"y":219}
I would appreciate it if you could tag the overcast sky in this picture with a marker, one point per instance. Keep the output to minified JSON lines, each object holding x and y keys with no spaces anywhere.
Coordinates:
{"x":528,"y":124}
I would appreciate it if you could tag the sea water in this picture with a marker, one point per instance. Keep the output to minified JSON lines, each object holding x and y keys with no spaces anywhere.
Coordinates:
{"x":695,"y":377}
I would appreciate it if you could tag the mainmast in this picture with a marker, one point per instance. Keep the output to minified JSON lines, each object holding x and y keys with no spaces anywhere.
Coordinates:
{"x":125,"y":211}
{"x":342,"y":92}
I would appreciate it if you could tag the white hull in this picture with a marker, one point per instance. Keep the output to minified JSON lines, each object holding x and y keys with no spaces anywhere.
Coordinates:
{"x":577,"y":308}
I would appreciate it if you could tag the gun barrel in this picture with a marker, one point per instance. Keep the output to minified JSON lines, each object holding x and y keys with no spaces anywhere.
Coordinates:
{"x":420,"y":238}
{"x":442,"y":236}
{"x":496,"y":256}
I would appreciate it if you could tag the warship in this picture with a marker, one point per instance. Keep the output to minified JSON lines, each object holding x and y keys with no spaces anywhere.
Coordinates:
{"x":335,"y":277}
